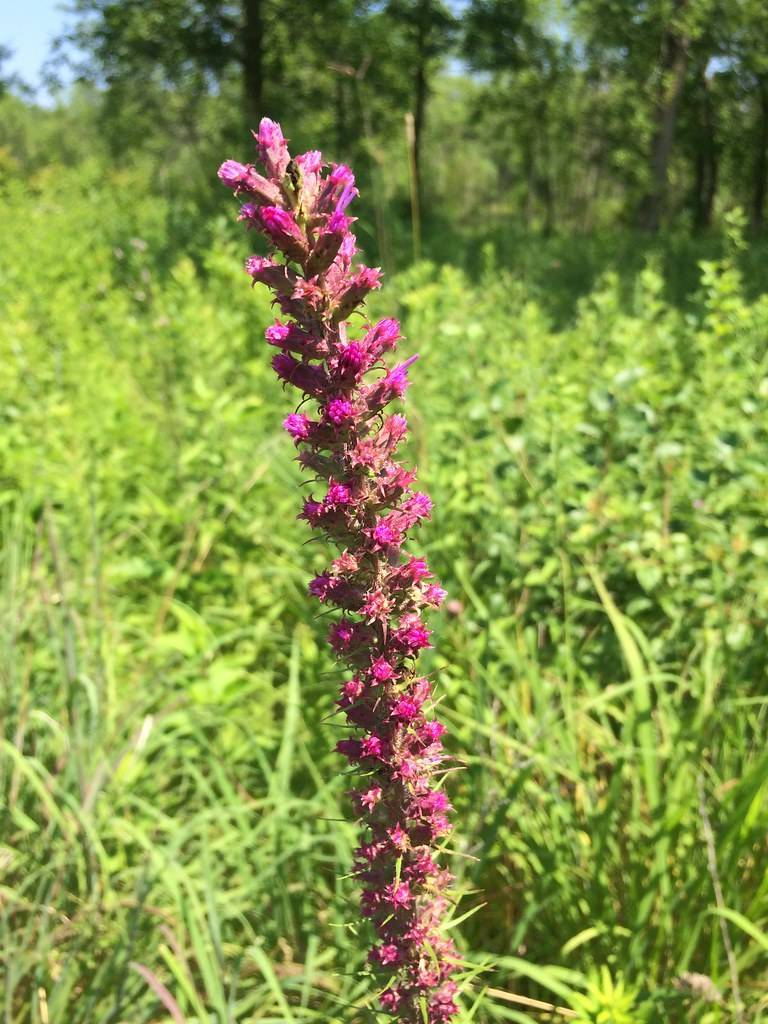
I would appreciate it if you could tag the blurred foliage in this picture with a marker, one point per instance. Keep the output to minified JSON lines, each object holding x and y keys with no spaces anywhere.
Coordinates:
{"x":172,"y":820}
{"x":606,"y":1001}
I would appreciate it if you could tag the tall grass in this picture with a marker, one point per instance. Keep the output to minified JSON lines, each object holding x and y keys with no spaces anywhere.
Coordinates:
{"x":172,"y":838}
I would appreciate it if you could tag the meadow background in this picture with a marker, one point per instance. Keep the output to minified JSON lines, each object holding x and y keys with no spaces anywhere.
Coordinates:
{"x":589,"y":415}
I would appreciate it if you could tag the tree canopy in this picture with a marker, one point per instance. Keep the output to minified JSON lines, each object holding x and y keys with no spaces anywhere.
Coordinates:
{"x":589,"y":113}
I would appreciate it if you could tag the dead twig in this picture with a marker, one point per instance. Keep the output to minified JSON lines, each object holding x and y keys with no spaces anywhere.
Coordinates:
{"x":532,"y":1004}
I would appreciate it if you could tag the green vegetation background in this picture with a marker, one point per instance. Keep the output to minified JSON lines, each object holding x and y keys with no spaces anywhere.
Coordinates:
{"x":173,"y":838}
{"x":589,"y":414}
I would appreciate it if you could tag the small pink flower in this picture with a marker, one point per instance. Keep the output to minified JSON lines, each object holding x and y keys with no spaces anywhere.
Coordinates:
{"x":391,"y":999}
{"x":377,"y":605}
{"x":341,"y":635}
{"x":323,"y":586}
{"x":398,"y":894}
{"x":396,"y":381}
{"x":351,"y":359}
{"x":384,"y":534}
{"x":398,"y":837}
{"x":432,"y":731}
{"x":382,"y":670}
{"x":283,"y":231}
{"x":338,"y":494}
{"x":371,"y":746}
{"x":312,"y":511}
{"x":406,"y":709}
{"x":434,"y":801}
{"x":412,"y":633}
{"x":273,"y":151}
{"x":370,"y":798}
{"x":311,"y":162}
{"x":435,"y":595}
{"x":353,"y":688}
{"x":339,"y":410}
{"x":341,"y":175}
{"x":232,"y":173}
{"x":264,"y":270}
{"x":277,"y":333}
{"x":358,"y":286}
{"x":415,"y":569}
{"x":346,"y":563}
{"x":407,"y":768}
{"x":383,"y":336}
{"x":297,"y":425}
{"x":420,"y":504}
{"x":369,"y":851}
{"x":307,"y":378}
{"x":388,"y":954}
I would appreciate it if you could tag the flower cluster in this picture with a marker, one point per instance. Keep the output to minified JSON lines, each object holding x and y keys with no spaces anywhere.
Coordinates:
{"x":366,"y":504}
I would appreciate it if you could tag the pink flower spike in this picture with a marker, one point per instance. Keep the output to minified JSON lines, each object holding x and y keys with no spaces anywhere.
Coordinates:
{"x":368,"y":503}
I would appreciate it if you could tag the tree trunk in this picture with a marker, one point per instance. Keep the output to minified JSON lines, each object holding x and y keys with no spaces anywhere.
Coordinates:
{"x":420,"y":92}
{"x":706,"y":168}
{"x":674,"y":67}
{"x":705,"y":187}
{"x":545,"y":188}
{"x":529,"y":174}
{"x":760,"y":181}
{"x":505,"y":177}
{"x":341,"y":117}
{"x":251,"y":57}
